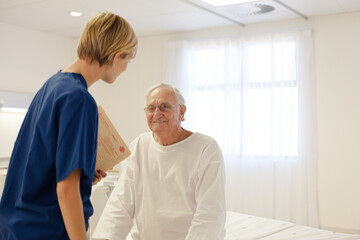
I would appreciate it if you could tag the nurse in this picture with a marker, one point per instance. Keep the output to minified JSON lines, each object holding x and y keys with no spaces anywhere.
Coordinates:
{"x":52,"y":166}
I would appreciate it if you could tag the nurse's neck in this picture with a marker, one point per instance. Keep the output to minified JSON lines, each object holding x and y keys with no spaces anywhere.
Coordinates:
{"x":91,"y":71}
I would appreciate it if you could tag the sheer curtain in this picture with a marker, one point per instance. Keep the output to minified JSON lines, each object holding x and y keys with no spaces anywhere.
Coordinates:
{"x":256,"y":96}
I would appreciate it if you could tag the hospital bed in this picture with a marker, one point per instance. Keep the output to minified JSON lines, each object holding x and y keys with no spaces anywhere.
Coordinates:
{"x":246,"y":227}
{"x":240,"y":226}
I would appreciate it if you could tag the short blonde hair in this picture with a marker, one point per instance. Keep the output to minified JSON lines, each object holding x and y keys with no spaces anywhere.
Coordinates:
{"x":105,"y":35}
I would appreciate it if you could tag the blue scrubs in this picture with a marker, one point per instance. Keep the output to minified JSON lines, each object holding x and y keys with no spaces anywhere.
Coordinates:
{"x":58,"y":136}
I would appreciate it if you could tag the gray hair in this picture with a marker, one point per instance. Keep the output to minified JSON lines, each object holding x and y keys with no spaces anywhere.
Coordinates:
{"x":179,"y":97}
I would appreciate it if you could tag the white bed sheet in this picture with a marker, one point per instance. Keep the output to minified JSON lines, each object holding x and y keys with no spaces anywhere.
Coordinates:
{"x":241,"y":226}
{"x":246,"y":227}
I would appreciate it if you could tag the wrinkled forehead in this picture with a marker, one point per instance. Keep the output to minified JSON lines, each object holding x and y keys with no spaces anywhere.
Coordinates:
{"x":160,"y":96}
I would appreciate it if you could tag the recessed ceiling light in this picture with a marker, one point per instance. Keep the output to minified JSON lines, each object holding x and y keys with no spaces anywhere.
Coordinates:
{"x":75,"y":13}
{"x":219,"y":3}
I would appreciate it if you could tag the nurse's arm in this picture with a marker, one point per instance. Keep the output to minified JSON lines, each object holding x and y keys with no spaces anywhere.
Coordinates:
{"x":68,"y":193}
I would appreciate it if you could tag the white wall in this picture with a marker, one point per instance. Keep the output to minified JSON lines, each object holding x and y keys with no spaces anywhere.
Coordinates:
{"x":337,"y":47}
{"x":28,"y":58}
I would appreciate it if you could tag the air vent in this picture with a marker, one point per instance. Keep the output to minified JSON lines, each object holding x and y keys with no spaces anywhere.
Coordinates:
{"x":248,"y":12}
{"x":250,"y":9}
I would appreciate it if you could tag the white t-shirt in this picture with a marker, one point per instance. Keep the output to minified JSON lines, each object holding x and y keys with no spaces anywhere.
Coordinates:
{"x":173,"y":192}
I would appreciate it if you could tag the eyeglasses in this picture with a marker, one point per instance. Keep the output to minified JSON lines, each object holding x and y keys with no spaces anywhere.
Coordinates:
{"x":162,"y":107}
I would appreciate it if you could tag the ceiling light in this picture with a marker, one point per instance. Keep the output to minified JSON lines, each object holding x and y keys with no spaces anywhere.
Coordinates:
{"x":13,"y":110}
{"x":219,"y":3}
{"x":75,"y":13}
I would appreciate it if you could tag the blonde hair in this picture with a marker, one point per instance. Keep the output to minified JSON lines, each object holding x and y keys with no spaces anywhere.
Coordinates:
{"x":105,"y":35}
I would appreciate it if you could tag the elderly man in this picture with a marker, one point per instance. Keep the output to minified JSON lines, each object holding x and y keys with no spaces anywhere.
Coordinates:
{"x":172,"y":186}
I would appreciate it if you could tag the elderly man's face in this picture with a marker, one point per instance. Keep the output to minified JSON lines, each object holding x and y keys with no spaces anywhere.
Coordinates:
{"x":162,"y":112}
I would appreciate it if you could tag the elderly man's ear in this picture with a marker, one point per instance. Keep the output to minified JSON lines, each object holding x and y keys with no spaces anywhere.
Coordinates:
{"x":182,"y":112}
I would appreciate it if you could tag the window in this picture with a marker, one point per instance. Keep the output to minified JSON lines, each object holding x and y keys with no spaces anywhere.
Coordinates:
{"x":251,"y":87}
{"x":256,"y":95}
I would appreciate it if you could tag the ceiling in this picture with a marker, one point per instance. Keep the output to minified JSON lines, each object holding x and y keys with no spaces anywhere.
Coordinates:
{"x":153,"y":17}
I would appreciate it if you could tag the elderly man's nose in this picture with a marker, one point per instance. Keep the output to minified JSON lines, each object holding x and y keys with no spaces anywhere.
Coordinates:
{"x":157,"y":111}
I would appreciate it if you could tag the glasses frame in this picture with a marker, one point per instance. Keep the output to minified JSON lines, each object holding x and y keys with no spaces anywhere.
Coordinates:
{"x":164,"y":107}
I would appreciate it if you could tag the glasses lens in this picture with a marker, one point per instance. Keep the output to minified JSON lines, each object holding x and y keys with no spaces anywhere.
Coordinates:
{"x":162,"y":108}
{"x":149,"y":109}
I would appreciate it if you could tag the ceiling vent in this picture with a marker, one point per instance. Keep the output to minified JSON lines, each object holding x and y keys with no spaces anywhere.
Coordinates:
{"x":249,"y":11}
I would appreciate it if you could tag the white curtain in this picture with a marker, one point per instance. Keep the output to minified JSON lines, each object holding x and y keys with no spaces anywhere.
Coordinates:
{"x":256,"y":96}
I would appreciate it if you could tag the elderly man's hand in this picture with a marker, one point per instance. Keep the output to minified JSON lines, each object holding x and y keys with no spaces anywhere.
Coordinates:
{"x":98,"y":175}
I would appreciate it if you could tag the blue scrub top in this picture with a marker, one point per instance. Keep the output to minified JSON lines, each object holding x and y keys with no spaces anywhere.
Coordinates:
{"x":58,"y":136}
